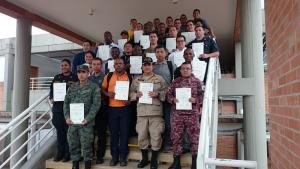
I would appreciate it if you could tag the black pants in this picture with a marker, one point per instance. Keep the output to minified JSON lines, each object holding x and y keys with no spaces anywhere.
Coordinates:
{"x":167,"y":117}
{"x":101,"y":121}
{"x":119,"y":121}
{"x":61,"y":127}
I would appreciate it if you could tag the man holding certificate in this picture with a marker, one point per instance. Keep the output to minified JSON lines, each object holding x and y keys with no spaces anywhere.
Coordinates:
{"x":149,"y":90}
{"x":209,"y":49}
{"x":115,"y":86}
{"x":185,"y":94}
{"x":81,"y":104}
{"x":58,"y":89}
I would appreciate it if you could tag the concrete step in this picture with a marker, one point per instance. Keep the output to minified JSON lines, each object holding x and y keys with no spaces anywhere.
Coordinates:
{"x":50,"y":164}
{"x":135,"y":154}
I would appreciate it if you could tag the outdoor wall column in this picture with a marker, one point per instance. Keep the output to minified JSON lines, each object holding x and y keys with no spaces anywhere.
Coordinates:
{"x":252,"y":67}
{"x":21,"y":83}
{"x":8,"y":77}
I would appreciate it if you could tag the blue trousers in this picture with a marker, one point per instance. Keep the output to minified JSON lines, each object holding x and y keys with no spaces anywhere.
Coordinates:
{"x":119,"y":121}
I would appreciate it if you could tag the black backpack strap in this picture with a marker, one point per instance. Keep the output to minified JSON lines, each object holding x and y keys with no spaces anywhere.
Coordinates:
{"x":109,"y":75}
{"x":170,"y":66}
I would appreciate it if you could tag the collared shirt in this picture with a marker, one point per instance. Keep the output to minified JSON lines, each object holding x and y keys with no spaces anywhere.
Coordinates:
{"x":89,"y":95}
{"x":163,"y":70}
{"x":97,"y":79}
{"x":77,"y":60}
{"x":196,"y":89}
{"x":210,"y":45}
{"x":173,"y":55}
{"x":110,"y":87}
{"x":159,"y":86}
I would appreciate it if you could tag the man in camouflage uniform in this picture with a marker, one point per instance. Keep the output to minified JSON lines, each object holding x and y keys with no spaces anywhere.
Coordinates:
{"x":185,"y":119}
{"x":149,"y":116}
{"x":80,"y":136}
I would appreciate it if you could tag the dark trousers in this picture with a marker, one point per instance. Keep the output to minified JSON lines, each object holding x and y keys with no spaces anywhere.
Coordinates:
{"x":61,"y":127}
{"x":166,"y":115}
{"x":119,"y":121}
{"x":101,"y":121}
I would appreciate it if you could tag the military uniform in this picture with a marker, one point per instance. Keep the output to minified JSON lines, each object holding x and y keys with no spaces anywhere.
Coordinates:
{"x":149,"y":116}
{"x":189,"y":119}
{"x":58,"y":119}
{"x":80,"y":136}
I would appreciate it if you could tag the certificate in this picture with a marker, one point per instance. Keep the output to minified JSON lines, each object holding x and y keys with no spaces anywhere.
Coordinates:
{"x":59,"y":91}
{"x":145,"y":41}
{"x":77,"y":112}
{"x":121,"y":43}
{"x":189,"y":36}
{"x":121,"y":90}
{"x":110,"y":66}
{"x":178,"y":58}
{"x":199,"y":68}
{"x":103,"y":52}
{"x":151,"y":55}
{"x":145,"y":88}
{"x":171,"y":44}
{"x":198,"y":49}
{"x":183,"y":95}
{"x":135,"y":64}
{"x":137,"y":36}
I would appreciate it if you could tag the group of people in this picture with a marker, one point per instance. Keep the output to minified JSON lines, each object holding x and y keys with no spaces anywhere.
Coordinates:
{"x":91,"y":82}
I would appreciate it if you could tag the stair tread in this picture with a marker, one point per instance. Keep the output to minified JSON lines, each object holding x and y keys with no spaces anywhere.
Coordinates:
{"x":50,"y":164}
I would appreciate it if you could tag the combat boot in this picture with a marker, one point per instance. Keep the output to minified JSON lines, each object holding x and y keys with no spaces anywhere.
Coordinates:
{"x":88,"y":164}
{"x":194,"y":161}
{"x":154,"y":163}
{"x":176,"y":163}
{"x":144,"y":160}
{"x":75,"y":165}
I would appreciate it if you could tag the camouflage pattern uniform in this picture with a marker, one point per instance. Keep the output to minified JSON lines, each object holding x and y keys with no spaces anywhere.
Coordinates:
{"x":149,"y":116}
{"x":80,"y":136}
{"x":185,"y":119}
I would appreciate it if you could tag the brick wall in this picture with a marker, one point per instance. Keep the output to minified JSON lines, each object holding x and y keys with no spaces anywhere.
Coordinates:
{"x":227,"y":148}
{"x":283,"y":51}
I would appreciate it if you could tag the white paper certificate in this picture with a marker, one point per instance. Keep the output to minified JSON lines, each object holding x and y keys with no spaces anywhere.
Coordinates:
{"x":198,"y":49}
{"x":145,"y":41}
{"x":145,"y":88}
{"x":77,"y":112}
{"x":152,"y":55}
{"x":121,"y":43}
{"x":171,"y":44}
{"x":137,"y":36}
{"x":121,"y":90}
{"x":103,"y":52}
{"x":110,"y":66}
{"x":59,"y":91}
{"x":189,"y":36}
{"x":183,"y":95}
{"x":199,"y":68}
{"x":136,"y":64}
{"x":178,"y":58}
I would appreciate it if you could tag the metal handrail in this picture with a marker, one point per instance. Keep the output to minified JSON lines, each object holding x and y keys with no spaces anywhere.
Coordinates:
{"x":41,"y":83}
{"x":209,"y":123}
{"x":32,"y":130}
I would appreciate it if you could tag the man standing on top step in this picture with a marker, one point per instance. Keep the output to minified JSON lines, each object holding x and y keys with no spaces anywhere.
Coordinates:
{"x":150,"y":124}
{"x":185,"y":118}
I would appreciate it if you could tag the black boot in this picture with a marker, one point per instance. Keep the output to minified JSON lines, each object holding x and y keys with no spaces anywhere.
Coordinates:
{"x":194,"y":161}
{"x":123,"y":161}
{"x":176,"y":163}
{"x":75,"y":165}
{"x":59,"y":156}
{"x":154,"y":163}
{"x":66,"y":157}
{"x":144,"y":160}
{"x":114,"y":161}
{"x":88,"y":164}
